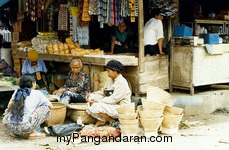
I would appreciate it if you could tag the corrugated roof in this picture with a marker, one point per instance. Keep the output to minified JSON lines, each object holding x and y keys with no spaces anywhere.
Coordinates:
{"x":2,"y":2}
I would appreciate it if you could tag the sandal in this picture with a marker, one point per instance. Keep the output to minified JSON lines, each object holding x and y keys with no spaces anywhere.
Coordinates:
{"x":115,"y":124}
{"x":14,"y":135}
{"x":36,"y":136}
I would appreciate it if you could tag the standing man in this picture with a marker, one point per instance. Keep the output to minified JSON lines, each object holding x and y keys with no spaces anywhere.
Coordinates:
{"x":153,"y":34}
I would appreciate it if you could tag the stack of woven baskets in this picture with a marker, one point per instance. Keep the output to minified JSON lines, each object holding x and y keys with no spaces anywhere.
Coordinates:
{"x":151,"y":116}
{"x":172,"y":118}
{"x":128,"y":119}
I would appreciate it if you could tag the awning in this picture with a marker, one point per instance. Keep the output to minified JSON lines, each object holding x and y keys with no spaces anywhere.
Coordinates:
{"x":2,"y":2}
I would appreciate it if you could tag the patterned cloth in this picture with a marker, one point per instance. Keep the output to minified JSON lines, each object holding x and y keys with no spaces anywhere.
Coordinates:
{"x":80,"y":85}
{"x":40,"y":114}
{"x":108,"y":109}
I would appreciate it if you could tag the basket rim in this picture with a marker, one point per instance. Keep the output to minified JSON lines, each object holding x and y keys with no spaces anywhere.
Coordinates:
{"x":77,"y":106}
{"x":58,"y":107}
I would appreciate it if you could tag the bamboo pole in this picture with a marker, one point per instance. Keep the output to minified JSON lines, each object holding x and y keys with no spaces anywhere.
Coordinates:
{"x":141,"y":36}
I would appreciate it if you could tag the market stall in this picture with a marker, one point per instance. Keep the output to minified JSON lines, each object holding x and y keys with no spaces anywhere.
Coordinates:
{"x":140,"y":71}
{"x":193,"y":66}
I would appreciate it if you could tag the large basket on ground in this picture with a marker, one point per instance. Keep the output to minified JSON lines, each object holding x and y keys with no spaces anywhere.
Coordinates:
{"x":171,"y":121}
{"x":151,"y":125}
{"x":58,"y":114}
{"x":126,"y":109}
{"x":150,"y":105}
{"x":173,"y":110}
{"x":79,"y":110}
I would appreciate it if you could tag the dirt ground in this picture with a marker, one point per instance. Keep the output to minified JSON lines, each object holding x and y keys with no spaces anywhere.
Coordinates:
{"x":198,"y":132}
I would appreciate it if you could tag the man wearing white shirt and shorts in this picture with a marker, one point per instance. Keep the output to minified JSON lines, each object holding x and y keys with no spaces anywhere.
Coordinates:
{"x":153,"y":34}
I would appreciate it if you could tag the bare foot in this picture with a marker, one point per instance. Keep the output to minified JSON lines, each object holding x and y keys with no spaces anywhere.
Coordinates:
{"x":99,"y":123}
{"x":36,"y":135}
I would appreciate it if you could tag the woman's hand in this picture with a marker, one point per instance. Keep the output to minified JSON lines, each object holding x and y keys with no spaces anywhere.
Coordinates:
{"x":61,"y":90}
{"x":87,"y":97}
{"x":93,"y":101}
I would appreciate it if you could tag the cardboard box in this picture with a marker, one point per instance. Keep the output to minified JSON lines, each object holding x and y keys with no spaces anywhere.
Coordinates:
{"x":212,"y":38}
{"x":182,"y":31}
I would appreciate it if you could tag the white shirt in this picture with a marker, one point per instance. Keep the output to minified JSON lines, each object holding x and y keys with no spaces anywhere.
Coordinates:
{"x":153,"y":30}
{"x":121,"y":94}
{"x":34,"y":100}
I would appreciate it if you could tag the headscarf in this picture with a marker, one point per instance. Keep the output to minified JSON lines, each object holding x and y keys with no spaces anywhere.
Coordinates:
{"x":18,"y":107}
{"x":22,"y":92}
{"x":115,"y":65}
{"x":33,"y":55}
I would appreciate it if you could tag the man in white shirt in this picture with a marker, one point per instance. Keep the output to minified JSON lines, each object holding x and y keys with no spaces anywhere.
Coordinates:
{"x":153,"y":34}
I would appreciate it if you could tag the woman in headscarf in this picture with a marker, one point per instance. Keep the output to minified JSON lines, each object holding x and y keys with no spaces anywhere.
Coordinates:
{"x":76,"y":86}
{"x":28,"y":108}
{"x":36,"y":67}
{"x":103,"y":107}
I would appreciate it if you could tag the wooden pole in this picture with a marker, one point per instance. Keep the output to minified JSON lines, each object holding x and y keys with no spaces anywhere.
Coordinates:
{"x":141,"y":36}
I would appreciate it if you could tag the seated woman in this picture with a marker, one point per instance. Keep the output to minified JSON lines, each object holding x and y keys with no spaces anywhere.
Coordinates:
{"x":102,"y":107}
{"x":76,"y":86}
{"x":119,"y":39}
{"x":35,"y":66}
{"x":28,"y":108}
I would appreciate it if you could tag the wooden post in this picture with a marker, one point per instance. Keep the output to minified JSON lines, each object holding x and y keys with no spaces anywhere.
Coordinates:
{"x":141,"y":52}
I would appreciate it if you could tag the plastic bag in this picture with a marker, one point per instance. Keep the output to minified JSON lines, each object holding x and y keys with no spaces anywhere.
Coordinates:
{"x":63,"y":130}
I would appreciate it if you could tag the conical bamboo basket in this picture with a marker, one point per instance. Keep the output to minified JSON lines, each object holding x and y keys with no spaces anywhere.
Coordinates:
{"x":151,"y":125}
{"x":174,"y":110}
{"x":126,"y":109}
{"x":150,"y":105}
{"x":171,"y":121}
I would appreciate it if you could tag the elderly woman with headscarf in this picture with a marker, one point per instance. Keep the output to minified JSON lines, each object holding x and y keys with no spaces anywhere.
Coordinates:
{"x":103,"y":107}
{"x":35,"y":66}
{"x":77,"y":85}
{"x":28,"y":108}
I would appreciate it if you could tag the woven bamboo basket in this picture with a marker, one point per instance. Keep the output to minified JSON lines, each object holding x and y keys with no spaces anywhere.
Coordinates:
{"x":158,"y":95}
{"x":126,"y":109}
{"x":151,"y":125}
{"x":79,"y":110}
{"x":150,"y":113}
{"x":174,"y":110}
{"x":150,"y":105}
{"x":129,"y":122}
{"x":127,"y":116}
{"x":129,"y":129}
{"x":58,"y":114}
{"x":171,"y":121}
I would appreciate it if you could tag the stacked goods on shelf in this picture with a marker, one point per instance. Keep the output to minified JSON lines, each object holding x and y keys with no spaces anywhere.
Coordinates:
{"x":70,"y":48}
{"x":151,"y":116}
{"x":43,"y":39}
{"x":128,"y":119}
